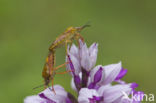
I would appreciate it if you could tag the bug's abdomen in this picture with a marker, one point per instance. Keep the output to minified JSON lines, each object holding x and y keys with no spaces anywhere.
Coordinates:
{"x":45,"y":72}
{"x":49,"y":65}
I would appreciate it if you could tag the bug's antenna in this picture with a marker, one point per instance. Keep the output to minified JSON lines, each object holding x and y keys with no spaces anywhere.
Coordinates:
{"x":87,"y":24}
{"x":38,"y":86}
{"x":84,"y":26}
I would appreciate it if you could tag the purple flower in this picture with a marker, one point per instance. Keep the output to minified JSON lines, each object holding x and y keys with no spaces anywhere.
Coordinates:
{"x":93,"y":84}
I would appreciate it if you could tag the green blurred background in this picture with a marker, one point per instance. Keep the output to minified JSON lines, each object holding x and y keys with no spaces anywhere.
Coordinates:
{"x":125,"y":31}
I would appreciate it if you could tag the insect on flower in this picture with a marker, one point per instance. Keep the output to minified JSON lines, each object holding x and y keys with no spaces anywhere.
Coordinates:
{"x":93,"y":84}
{"x":49,"y":70}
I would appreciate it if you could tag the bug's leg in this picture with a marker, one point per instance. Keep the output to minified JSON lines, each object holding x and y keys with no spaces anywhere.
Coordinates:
{"x":62,"y":65}
{"x":64,"y":72}
{"x":77,"y":37}
{"x":52,"y":82}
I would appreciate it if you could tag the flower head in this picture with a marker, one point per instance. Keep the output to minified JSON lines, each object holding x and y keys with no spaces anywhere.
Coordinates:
{"x":93,"y":84}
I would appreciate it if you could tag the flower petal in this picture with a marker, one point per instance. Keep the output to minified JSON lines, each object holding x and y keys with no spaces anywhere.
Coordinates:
{"x":85,"y":94}
{"x":85,"y":59}
{"x":111,"y":72}
{"x":34,"y":99}
{"x":73,"y":83}
{"x":93,"y":50}
{"x":46,"y":99}
{"x":113,"y":93}
{"x":97,"y":76}
{"x":75,"y":66}
{"x":122,"y":73}
{"x":74,"y":50}
{"x":60,"y":95}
